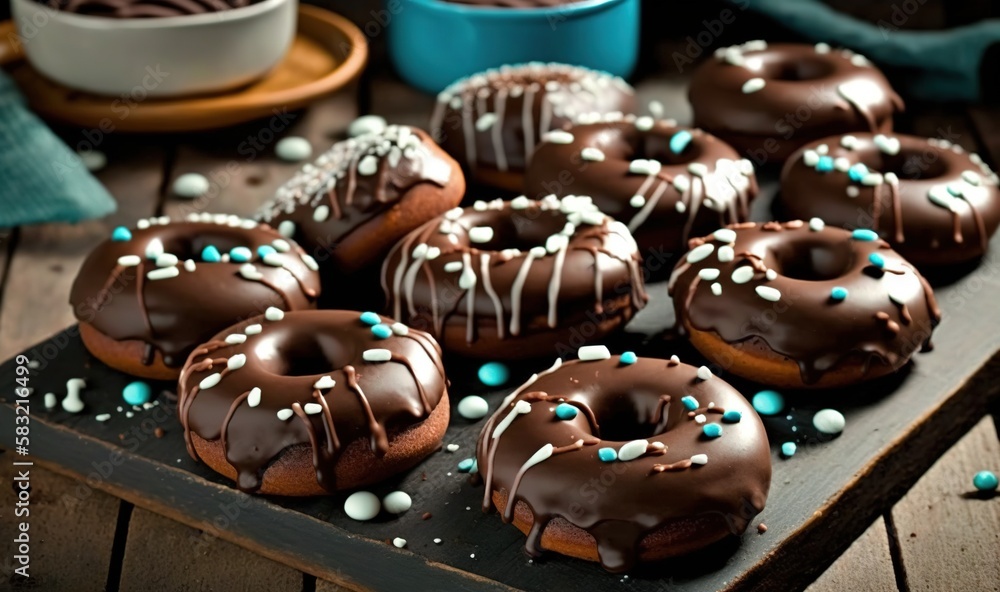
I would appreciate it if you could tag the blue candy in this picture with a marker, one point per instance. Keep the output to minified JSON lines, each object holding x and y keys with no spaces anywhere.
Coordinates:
{"x":838,"y":293}
{"x":566,"y":411}
{"x":857,"y":172}
{"x":137,"y":393}
{"x":985,"y":481}
{"x":370,"y":318}
{"x":240,"y":254}
{"x":121,"y":234}
{"x":788,"y":449}
{"x":680,"y":141}
{"x":382,"y":331}
{"x":876,"y":260}
{"x":732,"y":416}
{"x":824,"y":164}
{"x":607,"y":454}
{"x":265,"y":250}
{"x":465,"y":465}
{"x":628,"y":358}
{"x":768,"y":402}
{"x":211,"y":254}
{"x":863,"y":234}
{"x":493,"y":374}
{"x":711,"y":430}
{"x":689,"y":402}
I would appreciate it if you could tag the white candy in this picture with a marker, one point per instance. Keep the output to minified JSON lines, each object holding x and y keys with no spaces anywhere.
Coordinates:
{"x":166,"y":260}
{"x":102,"y":417}
{"x":753,"y":85}
{"x":829,"y":421}
{"x":274,"y":314}
{"x":768,"y":293}
{"x":51,"y":401}
{"x":324,"y":382}
{"x":704,"y":373}
{"x":367,"y":124}
{"x":154,"y":249}
{"x":481,"y":234}
{"x":700,"y":252}
{"x":592,"y":154}
{"x":293,"y":149}
{"x":248,"y":271}
{"x":368,"y":165}
{"x":236,"y":362}
{"x":397,"y":502}
{"x":699,"y":459}
{"x":377,"y":355}
{"x":253,"y":399}
{"x":312,"y":408}
{"x":637,"y":201}
{"x":321,"y":213}
{"x":210,"y":381}
{"x":590,"y":353}
{"x":162,"y":273}
{"x":726,"y":235}
{"x":191,"y":186}
{"x":473,"y":407}
{"x":362,"y":506}
{"x":709,"y":273}
{"x":398,"y":542}
{"x":645,"y":167}
{"x":700,"y":418}
{"x":717,"y":289}
{"x":129,"y":260}
{"x":816,"y":224}
{"x":556,"y":242}
{"x":644,"y":123}
{"x":726,"y":254}
{"x":285,"y":414}
{"x":558,"y":137}
{"x":309,"y":261}
{"x":253,"y":329}
{"x":771,"y":275}
{"x":742,"y":275}
{"x":810,"y":158}
{"x":632,"y":450}
{"x":286,"y":228}
{"x":73,"y":403}
{"x":235,"y":338}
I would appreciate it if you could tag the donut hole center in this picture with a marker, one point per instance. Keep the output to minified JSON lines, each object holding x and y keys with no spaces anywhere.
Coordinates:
{"x":629,"y":415}
{"x":516,"y":229}
{"x":657,"y":147}
{"x":302,"y":354}
{"x":187,"y":245}
{"x":913,"y":164}
{"x":800,"y":70}
{"x":814,"y":261}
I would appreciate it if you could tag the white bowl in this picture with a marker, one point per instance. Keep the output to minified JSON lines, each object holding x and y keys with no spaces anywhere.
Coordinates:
{"x":156,"y":57}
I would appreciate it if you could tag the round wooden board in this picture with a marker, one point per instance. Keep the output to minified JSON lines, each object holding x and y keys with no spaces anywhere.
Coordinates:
{"x":328,"y":52}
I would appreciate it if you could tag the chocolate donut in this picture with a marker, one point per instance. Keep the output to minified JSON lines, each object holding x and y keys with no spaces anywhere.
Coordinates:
{"x":492,"y":121}
{"x":665,"y":181}
{"x":147,"y":296}
{"x":767,"y":100}
{"x":932,"y":201}
{"x":516,"y":279}
{"x":312,"y":402}
{"x":802,"y":305}
{"x":355,"y":201}
{"x":624,"y":459}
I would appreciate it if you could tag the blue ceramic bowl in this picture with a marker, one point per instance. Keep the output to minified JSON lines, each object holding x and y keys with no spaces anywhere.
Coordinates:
{"x":433,"y":43}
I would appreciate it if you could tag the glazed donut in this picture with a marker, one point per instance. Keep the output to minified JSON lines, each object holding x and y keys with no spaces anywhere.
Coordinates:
{"x":147,"y":296}
{"x":517,"y":279}
{"x":767,"y":100}
{"x":355,"y":201}
{"x":687,"y":454}
{"x":664,"y":181}
{"x":492,"y":121}
{"x":802,"y":305}
{"x":932,"y":201}
{"x":312,"y":402}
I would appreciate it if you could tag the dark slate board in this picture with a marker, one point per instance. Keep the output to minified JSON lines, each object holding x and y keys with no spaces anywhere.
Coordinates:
{"x":820,"y":500}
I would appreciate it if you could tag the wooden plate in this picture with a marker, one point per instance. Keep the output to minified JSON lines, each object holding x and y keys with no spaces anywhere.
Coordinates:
{"x":327,"y":54}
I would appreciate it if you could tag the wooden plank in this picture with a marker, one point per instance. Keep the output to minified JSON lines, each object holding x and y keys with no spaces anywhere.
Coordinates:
{"x":164,"y":555}
{"x":326,"y":586}
{"x":866,"y":566}
{"x":947,"y":531}
{"x":71,"y":530}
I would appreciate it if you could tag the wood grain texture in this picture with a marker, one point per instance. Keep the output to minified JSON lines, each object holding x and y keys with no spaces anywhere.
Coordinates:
{"x":72,"y":531}
{"x":326,"y":586}
{"x":948,"y":534}
{"x":866,"y":566}
{"x":167,"y":556}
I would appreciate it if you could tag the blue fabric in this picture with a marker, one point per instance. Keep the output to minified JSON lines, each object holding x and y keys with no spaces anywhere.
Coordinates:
{"x":945,"y":64}
{"x":41,"y":179}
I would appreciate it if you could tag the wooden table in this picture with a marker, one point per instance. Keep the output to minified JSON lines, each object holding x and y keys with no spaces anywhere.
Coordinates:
{"x":934,"y":538}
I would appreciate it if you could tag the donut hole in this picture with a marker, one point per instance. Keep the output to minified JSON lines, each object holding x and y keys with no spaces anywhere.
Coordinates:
{"x":302,"y":354}
{"x":188,"y":245}
{"x":516,"y":229}
{"x":657,"y":147}
{"x":909,"y":163}
{"x":814,"y":261}
{"x":629,"y":414}
{"x":809,"y":68}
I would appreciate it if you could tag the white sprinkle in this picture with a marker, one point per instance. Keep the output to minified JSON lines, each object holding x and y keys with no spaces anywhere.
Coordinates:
{"x":643,"y":166}
{"x":726,"y":254}
{"x":236,"y":362}
{"x":453,"y":266}
{"x":699,"y":459}
{"x":753,"y":85}
{"x":253,"y":399}
{"x":698,"y":169}
{"x":397,"y":502}
{"x":816,"y":224}
{"x":872,"y":179}
{"x":742,"y":275}
{"x":841,"y":164}
{"x":637,"y":201}
{"x":235,"y":338}
{"x":281,"y":245}
{"x":102,"y":417}
{"x":154,"y":249}
{"x":939,"y":195}
{"x":293,"y":149}
{"x":970,"y":177}
{"x":829,"y":421}
{"x":632,"y":450}
{"x":253,"y":329}
{"x":454,"y":214}
{"x":321,"y":213}
{"x":480,"y":205}
{"x":644,"y":123}
{"x":681,"y":184}
{"x":559,"y":137}
{"x":142,"y":224}
{"x":485,"y":121}
{"x":556,"y":242}
{"x":286,"y":228}
{"x":473,"y":407}
{"x":481,"y":234}
{"x":309,"y":261}
{"x":162,"y":273}
{"x":368,"y":165}
{"x":284,"y":414}
{"x":860,"y":60}
{"x":312,"y":408}
{"x":377,"y":355}
{"x":704,"y":373}
{"x":51,"y":400}
{"x":189,"y":265}
{"x":437,"y":541}
{"x":191,"y":186}
{"x":850,"y":142}
{"x":709,"y":273}
{"x":400,"y":329}
{"x":853,"y":191}
{"x":822,"y":48}
{"x":733,"y":56}
{"x":886,"y":144}
{"x":362,"y":506}
{"x":324,"y":382}
{"x":770,"y":274}
{"x":768,"y":293}
{"x":274,"y":314}
{"x":590,"y":353}
{"x":520,"y":203}
{"x":73,"y":403}
{"x":367,"y":124}
{"x":810,"y":158}
{"x":700,"y":418}
{"x":129,"y":260}
{"x":717,"y":289}
{"x":891,"y":178}
{"x":822,"y":149}
{"x":592,"y":154}
{"x":726,"y":235}
{"x":700,"y":252}
{"x":210,"y":381}
{"x":248,"y":271}
{"x":166,"y":260}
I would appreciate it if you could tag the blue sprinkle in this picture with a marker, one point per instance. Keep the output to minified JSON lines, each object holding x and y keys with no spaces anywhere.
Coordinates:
{"x":863,"y":234}
{"x":876,"y":260}
{"x":839,"y":293}
{"x":137,"y":393}
{"x":607,"y":454}
{"x":121,"y":234}
{"x":493,"y":374}
{"x":680,"y":141}
{"x":566,"y":411}
{"x":382,"y":331}
{"x":824,"y":164}
{"x":711,"y":430}
{"x":265,"y":250}
{"x":768,"y":402}
{"x":857,"y":172}
{"x":732,"y":416}
{"x":465,"y":465}
{"x":628,"y":358}
{"x":985,"y":481}
{"x":690,"y":403}
{"x":788,"y":449}
{"x":211,"y":254}
{"x":240,"y":254}
{"x":370,"y":318}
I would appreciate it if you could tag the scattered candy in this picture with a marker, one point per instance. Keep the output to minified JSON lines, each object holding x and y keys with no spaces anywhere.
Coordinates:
{"x":680,"y":141}
{"x":712,"y":430}
{"x":240,"y":254}
{"x":824,"y":164}
{"x":607,"y":454}
{"x":838,"y":293}
{"x":863,"y":234}
{"x":452,"y":447}
{"x":362,"y":505}
{"x":370,"y":318}
{"x":753,"y":85}
{"x":816,"y":224}
{"x":51,"y":401}
{"x":876,"y":260}
{"x":732,"y":416}
{"x":699,"y":459}
{"x":265,"y":250}
{"x":985,"y":481}
{"x":473,"y":407}
{"x":191,"y":186}
{"x":211,"y":254}
{"x":857,"y":172}
{"x":628,"y":358}
{"x":788,"y":449}
{"x":102,"y":417}
{"x":121,"y":234}
{"x":704,"y":373}
{"x":293,"y":149}
{"x":829,"y":421}
{"x":399,"y":543}
{"x":465,"y":465}
{"x":376,"y":355}
{"x":590,"y":353}
{"x":73,"y":403}
{"x":566,"y":411}
{"x":382,"y":331}
{"x":493,"y":374}
{"x":137,"y":393}
{"x":367,"y":124}
{"x":632,"y":450}
{"x":768,"y":402}
{"x":689,"y":402}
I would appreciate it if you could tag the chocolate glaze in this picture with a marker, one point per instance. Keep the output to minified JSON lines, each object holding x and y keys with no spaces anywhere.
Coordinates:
{"x":173,"y":315}
{"x":809,"y":92}
{"x":620,"y":403}
{"x":352,"y":184}
{"x":496,"y":118}
{"x":935,"y":203}
{"x":144,"y":8}
{"x":887,"y":316}
{"x":703,"y":186}
{"x":284,"y":360}
{"x":545,"y":261}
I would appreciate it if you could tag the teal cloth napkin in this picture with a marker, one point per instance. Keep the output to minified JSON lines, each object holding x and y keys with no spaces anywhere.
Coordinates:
{"x":941,"y":65}
{"x":41,"y":179}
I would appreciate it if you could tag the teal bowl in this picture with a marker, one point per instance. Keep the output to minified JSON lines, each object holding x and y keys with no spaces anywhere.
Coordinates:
{"x":434,"y":43}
